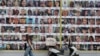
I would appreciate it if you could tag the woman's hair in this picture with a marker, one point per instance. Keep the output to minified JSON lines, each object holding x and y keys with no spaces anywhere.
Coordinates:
{"x":91,"y":38}
{"x":49,"y":21}
{"x":15,"y":1}
{"x":21,"y":2}
{"x":3,"y":3}
{"x":28,"y":37}
{"x":29,"y":12}
{"x":71,"y":4}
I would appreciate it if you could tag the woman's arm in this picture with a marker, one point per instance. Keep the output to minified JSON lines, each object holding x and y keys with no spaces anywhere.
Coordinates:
{"x":31,"y":45}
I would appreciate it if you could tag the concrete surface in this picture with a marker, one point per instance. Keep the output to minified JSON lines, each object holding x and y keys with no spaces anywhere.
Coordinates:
{"x":44,"y":53}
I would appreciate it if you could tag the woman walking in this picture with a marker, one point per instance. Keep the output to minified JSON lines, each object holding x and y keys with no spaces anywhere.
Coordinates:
{"x":28,"y":46}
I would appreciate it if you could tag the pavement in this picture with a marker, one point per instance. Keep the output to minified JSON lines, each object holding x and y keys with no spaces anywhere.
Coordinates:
{"x":44,"y":53}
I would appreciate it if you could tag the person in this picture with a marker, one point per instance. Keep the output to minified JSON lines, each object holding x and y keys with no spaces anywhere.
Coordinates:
{"x":42,"y":4}
{"x":42,"y":29}
{"x":9,"y":3}
{"x":42,"y":21}
{"x":78,"y":39}
{"x":15,"y":12}
{"x":91,"y":30}
{"x":49,"y":4}
{"x":17,"y":29}
{"x":56,"y":30}
{"x":56,"y":12}
{"x":97,"y":4}
{"x":97,"y":39}
{"x":10,"y":12}
{"x":29,"y":29}
{"x":42,"y":38}
{"x":65,"y":13}
{"x":8,"y":47}
{"x":57,"y":3}
{"x":3,"y":29}
{"x":3,"y":3}
{"x":30,"y":12}
{"x":23,"y":37}
{"x":22,"y":29}
{"x":23,"y":12}
{"x":97,"y":29}
{"x":23,"y":3}
{"x":22,"y":20}
{"x":91,"y":39}
{"x":48,"y":12}
{"x":92,"y":21}
{"x":2,"y":20}
{"x":36,"y":20}
{"x":79,"y":21}
{"x":36,"y":29}
{"x":36,"y":12}
{"x":16,"y":3}
{"x":36,"y":3}
{"x":28,"y":46}
{"x":55,"y":21}
{"x":49,"y":20}
{"x":71,"y":48}
{"x":91,"y":4}
{"x":98,"y":21}
{"x":65,"y":39}
{"x":84,"y":30}
{"x":84,"y":21}
{"x":30,"y":3}
{"x":15,"y":21}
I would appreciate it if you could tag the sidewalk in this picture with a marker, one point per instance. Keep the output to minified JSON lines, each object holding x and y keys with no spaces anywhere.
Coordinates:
{"x":44,"y":53}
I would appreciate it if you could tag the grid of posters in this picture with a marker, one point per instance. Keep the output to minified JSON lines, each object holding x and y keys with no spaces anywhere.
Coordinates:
{"x":80,"y":21}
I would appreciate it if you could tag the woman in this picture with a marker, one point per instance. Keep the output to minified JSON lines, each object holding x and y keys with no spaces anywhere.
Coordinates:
{"x":30,"y":12}
{"x":9,"y":12}
{"x":49,"y":4}
{"x":22,"y":20}
{"x":90,"y":46}
{"x":15,"y":11}
{"x":15,"y":21}
{"x":9,"y":3}
{"x":23,"y":3}
{"x":15,"y":3}
{"x":30,"y":3}
{"x":78,"y":39}
{"x":23,"y":12}
{"x":49,"y":20}
{"x":3,"y":3}
{"x":57,"y":3}
{"x":64,"y":13}
{"x":28,"y":46}
{"x":29,"y":29}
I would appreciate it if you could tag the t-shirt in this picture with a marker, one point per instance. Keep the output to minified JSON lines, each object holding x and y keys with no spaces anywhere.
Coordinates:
{"x":27,"y":44}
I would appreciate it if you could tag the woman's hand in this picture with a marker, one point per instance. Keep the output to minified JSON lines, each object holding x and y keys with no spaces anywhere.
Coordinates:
{"x":31,"y":45}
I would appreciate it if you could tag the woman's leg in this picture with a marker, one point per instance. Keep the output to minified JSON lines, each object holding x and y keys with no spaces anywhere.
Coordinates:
{"x":27,"y":51}
{"x":31,"y":53}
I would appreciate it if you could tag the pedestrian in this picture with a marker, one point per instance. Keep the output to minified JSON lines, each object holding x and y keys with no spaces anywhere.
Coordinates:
{"x":28,"y":46}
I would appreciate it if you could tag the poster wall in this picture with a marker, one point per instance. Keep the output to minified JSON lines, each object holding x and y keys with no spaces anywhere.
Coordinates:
{"x":80,"y":21}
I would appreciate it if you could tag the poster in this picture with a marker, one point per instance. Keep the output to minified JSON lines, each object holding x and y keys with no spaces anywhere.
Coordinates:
{"x":80,"y":22}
